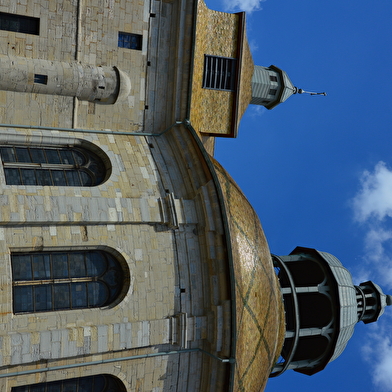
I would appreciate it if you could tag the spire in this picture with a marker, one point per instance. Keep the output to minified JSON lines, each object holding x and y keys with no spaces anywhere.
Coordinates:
{"x":272,"y":86}
{"x":300,"y":91}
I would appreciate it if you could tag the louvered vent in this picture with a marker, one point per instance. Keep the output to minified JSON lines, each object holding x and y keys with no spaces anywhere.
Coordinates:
{"x":219,"y":73}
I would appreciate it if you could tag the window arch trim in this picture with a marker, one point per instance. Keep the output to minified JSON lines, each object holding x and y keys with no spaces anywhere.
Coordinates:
{"x":96,"y":383}
{"x":43,"y":165}
{"x":59,"y":142}
{"x":57,"y":279}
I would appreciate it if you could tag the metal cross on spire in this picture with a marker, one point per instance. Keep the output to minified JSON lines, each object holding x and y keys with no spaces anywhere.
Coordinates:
{"x":301,"y":91}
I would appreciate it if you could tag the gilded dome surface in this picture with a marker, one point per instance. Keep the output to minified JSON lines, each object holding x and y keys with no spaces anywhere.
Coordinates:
{"x":259,"y":309}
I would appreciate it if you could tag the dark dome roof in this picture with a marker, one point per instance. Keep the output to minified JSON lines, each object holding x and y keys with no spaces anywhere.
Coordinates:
{"x":347,"y":299}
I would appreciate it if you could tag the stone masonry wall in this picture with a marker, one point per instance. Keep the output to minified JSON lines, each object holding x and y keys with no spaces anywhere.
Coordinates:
{"x":85,"y":31}
{"x":153,"y":212}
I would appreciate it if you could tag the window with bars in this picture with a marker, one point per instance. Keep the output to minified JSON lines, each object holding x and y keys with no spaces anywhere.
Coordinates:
{"x":273,"y":78}
{"x":219,"y":73}
{"x":48,"y":281}
{"x":130,"y":40}
{"x":19,"y":23}
{"x":64,"y":166}
{"x":97,"y":383}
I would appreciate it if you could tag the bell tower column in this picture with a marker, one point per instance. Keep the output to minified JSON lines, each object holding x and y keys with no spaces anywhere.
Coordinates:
{"x":99,"y":84}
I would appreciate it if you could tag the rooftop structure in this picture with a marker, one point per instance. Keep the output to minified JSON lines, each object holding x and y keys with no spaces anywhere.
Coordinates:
{"x":322,"y":307}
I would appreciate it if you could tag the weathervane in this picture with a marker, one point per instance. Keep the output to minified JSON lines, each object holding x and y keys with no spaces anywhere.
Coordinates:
{"x":300,"y":91}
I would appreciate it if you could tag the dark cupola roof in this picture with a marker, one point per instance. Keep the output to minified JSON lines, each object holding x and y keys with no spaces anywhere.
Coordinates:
{"x":271,"y":86}
{"x":322,"y":307}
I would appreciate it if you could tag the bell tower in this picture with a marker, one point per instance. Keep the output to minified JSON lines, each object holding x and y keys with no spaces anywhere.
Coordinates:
{"x":272,"y":86}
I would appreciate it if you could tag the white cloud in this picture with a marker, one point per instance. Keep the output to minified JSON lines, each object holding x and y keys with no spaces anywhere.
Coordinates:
{"x":253,"y":45}
{"x":375,"y":198}
{"x":256,"y":110}
{"x":378,"y":245}
{"x":243,"y":5}
{"x":378,"y":353}
{"x":373,"y":210}
{"x":375,"y":243}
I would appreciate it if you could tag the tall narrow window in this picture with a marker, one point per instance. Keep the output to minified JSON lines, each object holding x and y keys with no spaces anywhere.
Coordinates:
{"x":130,"y":41}
{"x":98,"y":383}
{"x":51,"y":166}
{"x":48,"y":281}
{"x":19,"y":23}
{"x":219,"y":73}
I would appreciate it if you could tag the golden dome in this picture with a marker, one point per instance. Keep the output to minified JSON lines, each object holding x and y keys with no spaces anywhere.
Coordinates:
{"x":259,"y":319}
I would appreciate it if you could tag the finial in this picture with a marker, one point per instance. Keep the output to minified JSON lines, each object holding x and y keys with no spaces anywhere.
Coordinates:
{"x":300,"y":91}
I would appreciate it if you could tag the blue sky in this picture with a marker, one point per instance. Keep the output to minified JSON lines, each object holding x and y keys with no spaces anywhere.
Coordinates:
{"x":318,"y":170}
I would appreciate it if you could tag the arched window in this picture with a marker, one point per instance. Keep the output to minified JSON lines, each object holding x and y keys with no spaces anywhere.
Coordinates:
{"x":47,"y":281}
{"x":62,"y":166}
{"x":99,"y":383}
